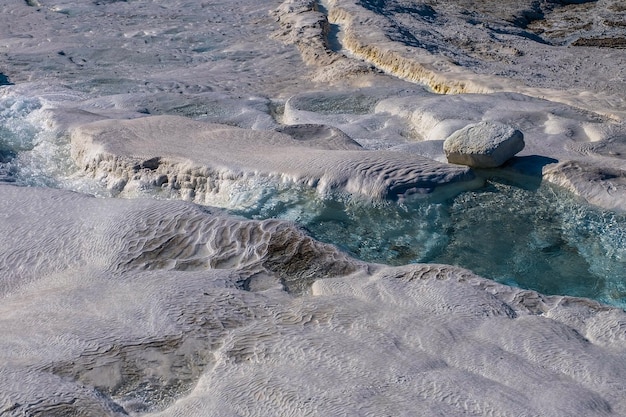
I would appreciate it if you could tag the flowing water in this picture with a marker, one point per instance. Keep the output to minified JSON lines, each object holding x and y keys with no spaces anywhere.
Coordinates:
{"x":543,"y":238}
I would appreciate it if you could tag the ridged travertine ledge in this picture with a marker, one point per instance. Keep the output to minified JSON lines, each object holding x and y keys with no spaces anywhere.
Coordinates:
{"x":303,"y":25}
{"x":387,"y":56}
{"x":197,"y":160}
{"x":365,"y":38}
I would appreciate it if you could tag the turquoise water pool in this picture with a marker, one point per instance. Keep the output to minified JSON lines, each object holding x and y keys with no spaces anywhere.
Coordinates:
{"x":539,"y":238}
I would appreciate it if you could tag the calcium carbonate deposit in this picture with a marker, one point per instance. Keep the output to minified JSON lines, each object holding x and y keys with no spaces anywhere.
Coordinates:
{"x":244,"y":208}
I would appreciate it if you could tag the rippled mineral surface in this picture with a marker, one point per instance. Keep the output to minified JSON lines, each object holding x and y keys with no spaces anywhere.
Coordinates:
{"x":244,"y":208}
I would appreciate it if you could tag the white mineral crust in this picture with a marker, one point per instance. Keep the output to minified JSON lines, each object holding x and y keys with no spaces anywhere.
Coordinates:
{"x":155,"y":151}
{"x":114,"y":306}
{"x":137,"y":303}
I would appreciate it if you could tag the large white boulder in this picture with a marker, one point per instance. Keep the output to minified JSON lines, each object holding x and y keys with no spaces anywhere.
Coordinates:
{"x":483,"y":145}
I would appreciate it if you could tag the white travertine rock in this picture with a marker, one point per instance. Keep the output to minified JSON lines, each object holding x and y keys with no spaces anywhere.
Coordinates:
{"x":196,"y":159}
{"x":109,"y":296}
{"x":483,"y":145}
{"x":378,"y":34}
{"x":600,"y":185}
{"x":303,"y":25}
{"x":124,"y":307}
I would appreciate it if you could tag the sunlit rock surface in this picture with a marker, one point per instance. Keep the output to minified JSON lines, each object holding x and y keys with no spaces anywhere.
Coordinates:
{"x":131,"y":306}
{"x":319,"y":112}
{"x":600,"y":185}
{"x":476,"y":47}
{"x":155,"y":151}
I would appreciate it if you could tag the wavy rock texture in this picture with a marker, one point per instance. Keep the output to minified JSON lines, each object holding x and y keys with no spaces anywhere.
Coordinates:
{"x":458,"y":47}
{"x":167,"y":309}
{"x":154,"y":151}
{"x":417,"y":122}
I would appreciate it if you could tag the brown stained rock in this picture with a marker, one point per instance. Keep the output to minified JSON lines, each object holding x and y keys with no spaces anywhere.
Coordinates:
{"x":601,"y":42}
